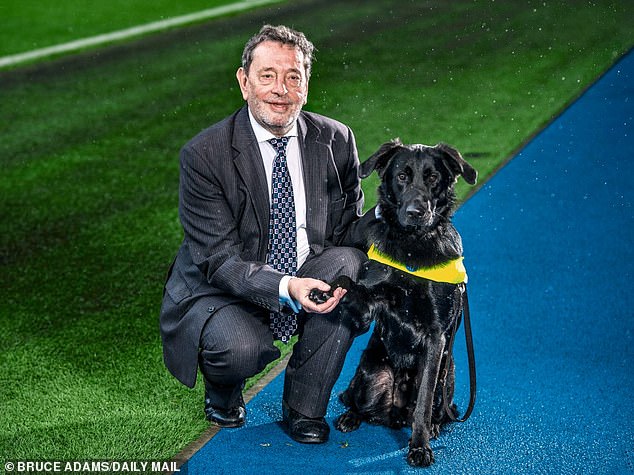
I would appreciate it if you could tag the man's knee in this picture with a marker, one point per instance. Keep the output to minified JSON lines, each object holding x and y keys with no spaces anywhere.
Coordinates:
{"x":333,"y":262}
{"x":230,"y":363}
{"x":352,"y":261}
{"x":232,"y":349}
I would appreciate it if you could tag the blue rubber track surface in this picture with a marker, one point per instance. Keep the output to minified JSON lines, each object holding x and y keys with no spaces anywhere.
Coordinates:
{"x":548,"y":246}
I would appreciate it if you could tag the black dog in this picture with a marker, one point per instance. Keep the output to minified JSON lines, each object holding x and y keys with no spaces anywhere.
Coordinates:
{"x":412,"y":286}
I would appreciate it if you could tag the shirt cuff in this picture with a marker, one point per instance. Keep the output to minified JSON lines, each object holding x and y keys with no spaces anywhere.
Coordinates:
{"x":285,"y":297}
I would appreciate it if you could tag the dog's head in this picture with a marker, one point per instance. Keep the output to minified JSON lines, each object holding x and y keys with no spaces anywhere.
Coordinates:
{"x":417,"y":182}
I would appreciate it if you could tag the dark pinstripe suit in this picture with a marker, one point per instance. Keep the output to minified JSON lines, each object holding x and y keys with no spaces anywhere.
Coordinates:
{"x":220,"y":267}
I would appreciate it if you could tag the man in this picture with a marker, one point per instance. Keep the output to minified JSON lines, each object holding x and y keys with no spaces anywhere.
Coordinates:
{"x":268,"y":198}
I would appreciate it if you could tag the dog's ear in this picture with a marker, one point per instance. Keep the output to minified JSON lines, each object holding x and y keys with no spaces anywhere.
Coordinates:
{"x":379,"y":159}
{"x":457,"y":164}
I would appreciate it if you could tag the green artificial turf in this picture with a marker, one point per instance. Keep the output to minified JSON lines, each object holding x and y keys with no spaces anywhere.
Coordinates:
{"x":34,"y":24}
{"x":89,"y":154}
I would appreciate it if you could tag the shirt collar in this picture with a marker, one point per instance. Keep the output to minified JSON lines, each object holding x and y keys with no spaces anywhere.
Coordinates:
{"x":262,"y":135}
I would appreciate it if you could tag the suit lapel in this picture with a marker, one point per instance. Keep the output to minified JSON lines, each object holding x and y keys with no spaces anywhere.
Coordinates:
{"x":315,"y":156}
{"x":248,"y":162}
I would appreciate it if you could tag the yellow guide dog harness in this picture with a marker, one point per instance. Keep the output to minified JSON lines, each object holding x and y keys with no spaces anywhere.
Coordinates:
{"x":451,"y":272}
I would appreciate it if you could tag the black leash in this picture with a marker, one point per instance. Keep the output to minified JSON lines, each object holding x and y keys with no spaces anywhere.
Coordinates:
{"x":470,"y":355}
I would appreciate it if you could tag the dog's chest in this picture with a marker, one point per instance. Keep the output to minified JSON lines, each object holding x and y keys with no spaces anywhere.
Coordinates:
{"x":413,"y":315}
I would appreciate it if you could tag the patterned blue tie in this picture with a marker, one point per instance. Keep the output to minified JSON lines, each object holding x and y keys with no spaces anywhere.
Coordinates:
{"x":282,"y":233}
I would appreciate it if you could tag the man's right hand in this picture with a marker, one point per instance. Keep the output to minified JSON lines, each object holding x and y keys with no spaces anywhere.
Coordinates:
{"x":299,"y":289}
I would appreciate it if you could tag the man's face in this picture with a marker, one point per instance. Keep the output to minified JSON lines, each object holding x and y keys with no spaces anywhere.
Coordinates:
{"x":276,"y":87}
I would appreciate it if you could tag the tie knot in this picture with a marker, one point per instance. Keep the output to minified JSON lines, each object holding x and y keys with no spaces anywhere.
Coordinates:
{"x":279,"y":144}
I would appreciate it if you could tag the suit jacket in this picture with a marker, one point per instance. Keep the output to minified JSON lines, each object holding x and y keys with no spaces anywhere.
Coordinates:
{"x":224,"y":211}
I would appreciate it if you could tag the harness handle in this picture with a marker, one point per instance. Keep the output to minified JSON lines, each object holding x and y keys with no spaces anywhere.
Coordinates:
{"x":470,"y":356}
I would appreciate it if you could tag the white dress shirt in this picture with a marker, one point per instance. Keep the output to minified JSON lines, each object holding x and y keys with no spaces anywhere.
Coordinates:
{"x":294,"y":164}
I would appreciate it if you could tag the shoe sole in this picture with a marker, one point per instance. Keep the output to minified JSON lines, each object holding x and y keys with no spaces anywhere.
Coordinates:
{"x":226,"y":426}
{"x":309,"y":440}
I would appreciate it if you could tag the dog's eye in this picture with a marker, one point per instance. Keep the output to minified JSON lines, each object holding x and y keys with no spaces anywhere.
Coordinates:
{"x":433,"y":178}
{"x":402,"y":176}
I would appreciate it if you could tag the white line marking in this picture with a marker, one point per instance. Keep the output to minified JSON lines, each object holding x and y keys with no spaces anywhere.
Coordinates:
{"x":130,"y":32}
{"x":377,"y":458}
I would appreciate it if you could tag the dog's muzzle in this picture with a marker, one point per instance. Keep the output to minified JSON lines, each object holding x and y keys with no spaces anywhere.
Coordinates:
{"x":417,"y":213}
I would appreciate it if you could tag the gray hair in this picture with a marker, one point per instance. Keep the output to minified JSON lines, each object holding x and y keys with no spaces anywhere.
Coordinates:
{"x":280,"y":34}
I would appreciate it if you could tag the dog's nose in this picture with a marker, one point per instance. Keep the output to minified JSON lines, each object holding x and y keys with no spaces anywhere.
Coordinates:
{"x":414,"y":212}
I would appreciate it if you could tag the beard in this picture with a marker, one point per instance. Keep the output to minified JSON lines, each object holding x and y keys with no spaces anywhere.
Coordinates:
{"x":278,"y":123}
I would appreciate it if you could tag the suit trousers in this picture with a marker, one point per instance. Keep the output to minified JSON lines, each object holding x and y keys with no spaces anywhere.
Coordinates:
{"x":237,"y":343}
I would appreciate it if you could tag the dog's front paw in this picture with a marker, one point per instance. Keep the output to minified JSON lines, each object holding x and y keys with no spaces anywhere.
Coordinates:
{"x":319,"y":296}
{"x":420,"y":456}
{"x":347,"y":422}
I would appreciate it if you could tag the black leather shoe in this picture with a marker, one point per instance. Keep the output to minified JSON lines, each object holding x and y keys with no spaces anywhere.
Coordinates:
{"x":232,"y":417}
{"x":228,"y":418}
{"x":307,"y":430}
